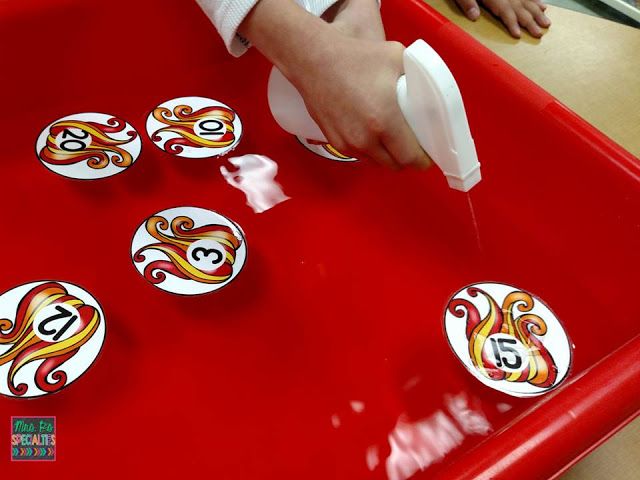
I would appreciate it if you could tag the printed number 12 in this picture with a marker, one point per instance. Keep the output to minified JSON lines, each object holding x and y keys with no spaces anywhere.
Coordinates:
{"x":63,"y":313}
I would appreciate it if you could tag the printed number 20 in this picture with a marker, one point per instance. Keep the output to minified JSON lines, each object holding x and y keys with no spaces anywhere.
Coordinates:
{"x":75,"y":144}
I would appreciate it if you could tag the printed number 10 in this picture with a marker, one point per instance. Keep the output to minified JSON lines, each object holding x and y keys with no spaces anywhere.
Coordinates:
{"x":209,"y":129}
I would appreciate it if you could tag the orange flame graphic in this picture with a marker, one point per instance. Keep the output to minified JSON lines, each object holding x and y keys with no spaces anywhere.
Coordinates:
{"x":175,"y":248}
{"x":327,"y":147}
{"x":94,"y":146}
{"x":28,"y":347}
{"x":540,"y":369}
{"x":184,"y":125}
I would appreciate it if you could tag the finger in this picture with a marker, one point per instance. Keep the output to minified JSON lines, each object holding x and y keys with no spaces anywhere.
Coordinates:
{"x":541,"y":4}
{"x":528,"y":23}
{"x":375,"y":153}
{"x":470,"y":8}
{"x":510,"y":20}
{"x":403,"y":146}
{"x":381,"y":156}
{"x":538,"y":15}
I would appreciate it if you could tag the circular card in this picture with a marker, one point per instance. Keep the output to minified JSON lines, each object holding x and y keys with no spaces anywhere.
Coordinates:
{"x":50,"y":334}
{"x":194,"y":127}
{"x":189,"y":250}
{"x":508,"y":339}
{"x":88,"y":146}
{"x":325,"y":150}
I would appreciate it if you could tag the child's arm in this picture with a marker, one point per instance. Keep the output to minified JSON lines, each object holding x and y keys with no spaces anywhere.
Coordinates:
{"x":227,"y":15}
{"x":348,"y":83}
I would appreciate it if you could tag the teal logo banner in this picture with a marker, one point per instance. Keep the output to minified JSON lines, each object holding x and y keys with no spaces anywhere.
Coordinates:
{"x":33,"y":438}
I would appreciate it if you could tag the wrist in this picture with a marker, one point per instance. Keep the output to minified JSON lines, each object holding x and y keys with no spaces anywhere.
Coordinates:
{"x":286,"y":34}
{"x":310,"y":58}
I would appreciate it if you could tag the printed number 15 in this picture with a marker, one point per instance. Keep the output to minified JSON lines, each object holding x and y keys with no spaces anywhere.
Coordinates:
{"x":505,"y":354}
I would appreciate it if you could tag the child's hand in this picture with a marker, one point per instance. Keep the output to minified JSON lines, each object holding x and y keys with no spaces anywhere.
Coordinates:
{"x":514,"y":13}
{"x":350,"y":91}
{"x":346,"y":76}
{"x":385,"y":136}
{"x":357,"y":18}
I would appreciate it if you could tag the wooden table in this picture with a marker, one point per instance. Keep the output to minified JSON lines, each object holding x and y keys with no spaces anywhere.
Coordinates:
{"x":592,"y":66}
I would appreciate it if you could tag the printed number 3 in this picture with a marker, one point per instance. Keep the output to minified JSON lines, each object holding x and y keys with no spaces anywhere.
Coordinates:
{"x":501,"y":346}
{"x":75,"y":144}
{"x":205,"y":253}
{"x":63,"y":313}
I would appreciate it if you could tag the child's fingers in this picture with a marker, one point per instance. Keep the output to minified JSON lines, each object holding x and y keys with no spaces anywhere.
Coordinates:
{"x":403,"y":146}
{"x":383,"y":157}
{"x":528,"y":22}
{"x":470,"y":8}
{"x":510,"y":19}
{"x":541,"y":4}
{"x":538,"y":15}
{"x":370,"y":149}
{"x":377,"y":154}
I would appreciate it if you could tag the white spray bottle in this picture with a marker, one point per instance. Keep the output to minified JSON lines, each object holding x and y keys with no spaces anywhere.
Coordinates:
{"x":430,"y":101}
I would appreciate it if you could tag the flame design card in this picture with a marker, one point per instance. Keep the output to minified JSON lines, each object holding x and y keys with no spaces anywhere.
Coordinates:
{"x":188,"y":250}
{"x":194,"y":127}
{"x":50,"y":335}
{"x":508,"y":339}
{"x":88,"y":146}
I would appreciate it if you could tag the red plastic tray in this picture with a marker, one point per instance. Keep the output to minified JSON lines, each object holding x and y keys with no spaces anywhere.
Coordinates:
{"x":326,"y":357}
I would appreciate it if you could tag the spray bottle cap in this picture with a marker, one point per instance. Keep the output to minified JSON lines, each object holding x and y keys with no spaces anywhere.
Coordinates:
{"x":431,"y":103}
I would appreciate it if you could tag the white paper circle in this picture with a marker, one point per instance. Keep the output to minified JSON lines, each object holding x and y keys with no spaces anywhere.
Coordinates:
{"x":88,"y":146}
{"x":508,"y":355}
{"x":185,"y":259}
{"x":53,"y":330}
{"x":194,"y":127}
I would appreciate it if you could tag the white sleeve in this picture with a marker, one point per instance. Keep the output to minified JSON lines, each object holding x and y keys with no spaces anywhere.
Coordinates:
{"x":227,"y":15}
